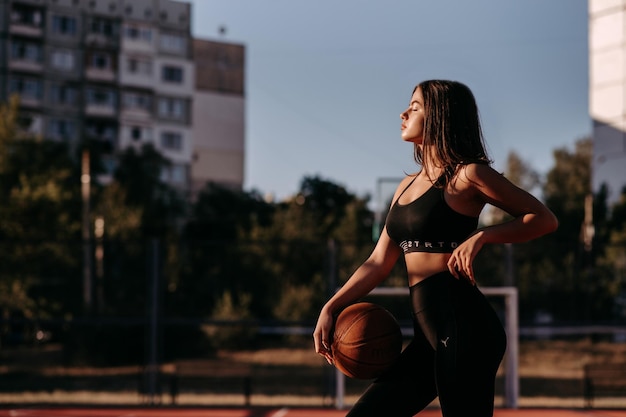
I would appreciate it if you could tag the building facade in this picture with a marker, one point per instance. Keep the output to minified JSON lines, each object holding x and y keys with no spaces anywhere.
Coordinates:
{"x":118,"y":72}
{"x":607,"y":93}
{"x":218,"y":114}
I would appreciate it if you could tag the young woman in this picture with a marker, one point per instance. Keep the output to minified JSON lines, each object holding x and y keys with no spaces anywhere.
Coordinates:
{"x":459,"y":341}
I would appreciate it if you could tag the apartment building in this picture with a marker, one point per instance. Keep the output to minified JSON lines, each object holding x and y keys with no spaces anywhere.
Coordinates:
{"x":218,"y":114}
{"x":117,"y":72}
{"x":607,"y":93}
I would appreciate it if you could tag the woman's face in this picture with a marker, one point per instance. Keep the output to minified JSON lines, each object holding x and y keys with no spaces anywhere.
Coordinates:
{"x":412,"y":127}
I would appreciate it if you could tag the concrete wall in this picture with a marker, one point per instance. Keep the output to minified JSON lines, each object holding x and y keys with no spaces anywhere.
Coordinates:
{"x":607,"y":92}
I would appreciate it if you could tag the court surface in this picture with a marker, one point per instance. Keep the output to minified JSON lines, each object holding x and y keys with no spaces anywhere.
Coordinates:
{"x":270,"y":412}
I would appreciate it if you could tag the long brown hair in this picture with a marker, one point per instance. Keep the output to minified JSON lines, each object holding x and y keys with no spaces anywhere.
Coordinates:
{"x":452,"y":130}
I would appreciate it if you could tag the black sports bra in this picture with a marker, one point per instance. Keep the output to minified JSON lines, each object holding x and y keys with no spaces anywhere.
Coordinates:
{"x":428,"y":224}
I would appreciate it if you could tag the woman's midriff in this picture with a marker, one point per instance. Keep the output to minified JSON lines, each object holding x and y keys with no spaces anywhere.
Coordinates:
{"x":421,"y":265}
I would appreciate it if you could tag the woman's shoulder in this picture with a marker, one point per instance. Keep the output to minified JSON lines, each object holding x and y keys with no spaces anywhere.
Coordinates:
{"x":403,"y":185}
{"x":405,"y":180}
{"x":476,"y":172}
{"x":475,"y":177}
{"x":408,"y":178}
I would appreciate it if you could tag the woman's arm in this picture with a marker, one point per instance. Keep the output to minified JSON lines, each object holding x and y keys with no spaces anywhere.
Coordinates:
{"x":531,"y":218}
{"x":371,"y":273}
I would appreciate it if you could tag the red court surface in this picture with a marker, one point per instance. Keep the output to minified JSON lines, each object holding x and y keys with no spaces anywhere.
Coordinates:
{"x":270,"y":412}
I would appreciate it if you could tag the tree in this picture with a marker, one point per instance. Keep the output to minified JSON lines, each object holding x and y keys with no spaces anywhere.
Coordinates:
{"x":8,"y":129}
{"x":567,"y":185}
{"x":39,"y":220}
{"x":220,"y":256}
{"x":318,"y":237}
{"x":610,"y":253}
{"x":521,"y":173}
{"x":139,"y":175}
{"x":572,"y":292}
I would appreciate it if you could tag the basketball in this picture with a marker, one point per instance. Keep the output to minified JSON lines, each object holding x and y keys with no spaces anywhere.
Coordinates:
{"x":366,"y":341}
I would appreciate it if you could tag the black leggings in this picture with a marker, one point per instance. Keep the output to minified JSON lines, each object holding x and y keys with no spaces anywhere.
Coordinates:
{"x":458,"y":345}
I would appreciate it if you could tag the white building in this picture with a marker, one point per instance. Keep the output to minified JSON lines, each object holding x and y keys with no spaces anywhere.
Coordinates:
{"x":607,"y":93}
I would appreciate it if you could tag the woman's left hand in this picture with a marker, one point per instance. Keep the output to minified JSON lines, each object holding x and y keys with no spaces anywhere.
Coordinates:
{"x":461,"y":261}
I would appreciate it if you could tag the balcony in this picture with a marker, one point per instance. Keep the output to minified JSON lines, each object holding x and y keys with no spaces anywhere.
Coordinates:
{"x":23,"y":29}
{"x":31,"y":102}
{"x":100,"y":74}
{"x":25,"y":65}
{"x":99,"y":40}
{"x":100,"y":110}
{"x":26,"y":20}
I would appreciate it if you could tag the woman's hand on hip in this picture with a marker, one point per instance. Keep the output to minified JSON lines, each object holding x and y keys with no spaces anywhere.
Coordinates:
{"x":461,"y":262}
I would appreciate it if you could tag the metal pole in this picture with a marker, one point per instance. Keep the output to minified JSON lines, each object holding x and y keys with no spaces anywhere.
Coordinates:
{"x":511,"y":385}
{"x":509,"y":276}
{"x":340,"y":389}
{"x":332,"y":265}
{"x":99,"y":260}
{"x":154,"y":317}
{"x":85,"y":180}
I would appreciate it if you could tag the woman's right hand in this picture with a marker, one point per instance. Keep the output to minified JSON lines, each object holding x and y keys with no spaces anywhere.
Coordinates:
{"x":367,"y":276}
{"x":322,"y":336}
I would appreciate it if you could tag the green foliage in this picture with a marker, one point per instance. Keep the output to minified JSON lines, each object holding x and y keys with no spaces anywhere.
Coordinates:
{"x":610,"y":254}
{"x":324,"y":204}
{"x":139,"y":175}
{"x":229,"y":255}
{"x":231,"y":336}
{"x":520,"y":173}
{"x":122,"y":221}
{"x":8,"y":129}
{"x":217,"y":254}
{"x":38,"y":221}
{"x":294,"y":302}
{"x":566,"y":187}
{"x":582,"y":285}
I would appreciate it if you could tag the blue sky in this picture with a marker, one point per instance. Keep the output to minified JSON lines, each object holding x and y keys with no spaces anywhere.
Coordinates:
{"x":327,"y":80}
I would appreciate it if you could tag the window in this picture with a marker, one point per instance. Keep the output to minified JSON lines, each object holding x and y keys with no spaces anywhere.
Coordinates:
{"x":26,"y":51}
{"x":64,"y":25}
{"x":29,"y":88}
{"x":101,"y":61}
{"x":102,"y":26}
{"x":62,"y":60}
{"x":101,"y":97}
{"x":61,"y":128}
{"x":138,"y":133}
{"x":172,"y":141}
{"x":140,"y":101}
{"x":29,"y":123}
{"x":135,"y":133}
{"x":26,"y":15}
{"x":63,"y":94}
{"x":101,"y":130}
{"x":175,"y":174}
{"x":139,"y":66}
{"x":178,"y":173}
{"x":172,"y":74}
{"x":173,"y":43}
{"x":138,"y":33}
{"x":172,"y":108}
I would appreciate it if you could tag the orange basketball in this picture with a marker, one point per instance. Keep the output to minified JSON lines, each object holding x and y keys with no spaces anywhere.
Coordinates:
{"x":366,"y":341}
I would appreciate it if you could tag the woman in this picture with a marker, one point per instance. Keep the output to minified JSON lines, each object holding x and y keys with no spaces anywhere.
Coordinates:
{"x":459,"y":341}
